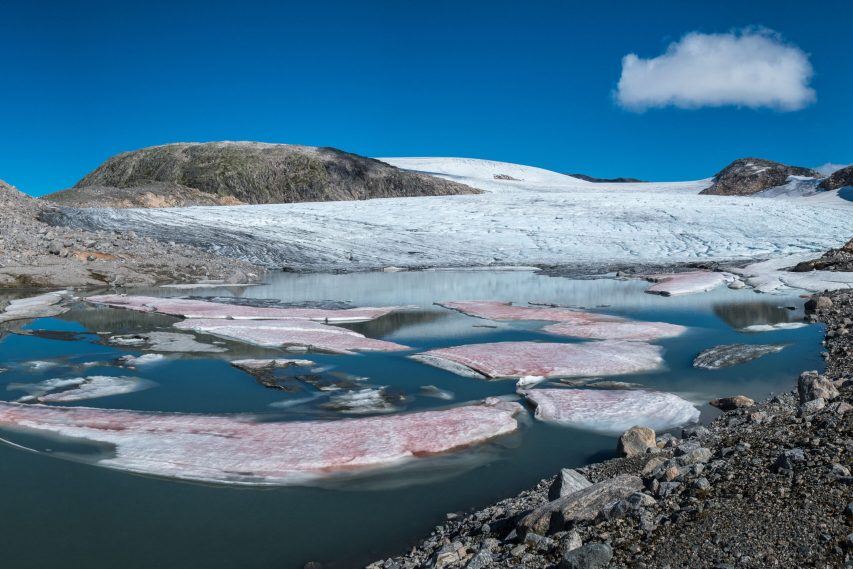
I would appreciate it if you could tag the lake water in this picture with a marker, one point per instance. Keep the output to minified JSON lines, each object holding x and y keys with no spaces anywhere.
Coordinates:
{"x":72,"y":513}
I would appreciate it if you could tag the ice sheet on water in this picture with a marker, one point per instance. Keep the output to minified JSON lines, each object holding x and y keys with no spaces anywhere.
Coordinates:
{"x":188,"y":308}
{"x":611,"y":411}
{"x":64,"y":390}
{"x":548,"y":360}
{"x":233,"y":449}
{"x":40,"y":306}
{"x":627,"y":330}
{"x":692,"y":282}
{"x":304,"y":334}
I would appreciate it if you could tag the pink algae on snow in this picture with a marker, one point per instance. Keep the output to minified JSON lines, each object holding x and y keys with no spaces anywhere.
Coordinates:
{"x":237,"y":450}
{"x":188,"y":308}
{"x":674,"y":284}
{"x":520,"y":359}
{"x":611,"y":411}
{"x":290,"y":334}
{"x":627,"y":330}
{"x":495,"y":310}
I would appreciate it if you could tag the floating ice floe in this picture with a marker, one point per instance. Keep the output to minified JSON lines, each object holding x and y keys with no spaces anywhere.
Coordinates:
{"x":625,"y":330}
{"x":774,"y":327}
{"x":692,"y":282}
{"x":237,"y":450}
{"x":41,"y":306}
{"x":496,"y":310}
{"x":303,"y":334}
{"x":61,"y":390}
{"x":734,"y":354}
{"x":40,"y":365}
{"x":135,"y":361}
{"x":165,"y":342}
{"x":611,"y":411}
{"x":362,"y":401}
{"x":188,"y":308}
{"x":570,"y":322}
{"x":519,"y":359}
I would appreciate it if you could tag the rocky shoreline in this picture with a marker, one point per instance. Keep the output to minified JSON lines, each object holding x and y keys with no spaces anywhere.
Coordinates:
{"x":764,"y":485}
{"x":34,"y":254}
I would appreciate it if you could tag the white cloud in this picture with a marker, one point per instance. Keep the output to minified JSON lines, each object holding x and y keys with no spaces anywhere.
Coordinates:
{"x":750,"y":68}
{"x":829,"y":168}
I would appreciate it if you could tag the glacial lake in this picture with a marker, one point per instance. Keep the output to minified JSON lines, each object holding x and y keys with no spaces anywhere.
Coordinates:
{"x":62,"y":510}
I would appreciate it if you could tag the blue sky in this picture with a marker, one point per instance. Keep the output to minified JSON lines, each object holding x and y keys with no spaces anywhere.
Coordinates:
{"x":526,"y":82}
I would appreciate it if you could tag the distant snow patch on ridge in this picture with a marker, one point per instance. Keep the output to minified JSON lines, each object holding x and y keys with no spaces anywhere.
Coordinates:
{"x":750,"y":68}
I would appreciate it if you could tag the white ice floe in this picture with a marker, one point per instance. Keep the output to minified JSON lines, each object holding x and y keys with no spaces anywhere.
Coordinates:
{"x":539,"y":218}
{"x":548,"y":360}
{"x":627,"y":330}
{"x":62,"y":390}
{"x":41,"y":306}
{"x":770,"y":276}
{"x":774,"y":327}
{"x":188,"y":308}
{"x":233,"y":449}
{"x":145,"y":359}
{"x":611,"y":411}
{"x":165,"y":342}
{"x":302,"y":334}
{"x":692,"y":282}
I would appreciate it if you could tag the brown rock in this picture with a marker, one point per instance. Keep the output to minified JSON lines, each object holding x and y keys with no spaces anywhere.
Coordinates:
{"x":636,"y":440}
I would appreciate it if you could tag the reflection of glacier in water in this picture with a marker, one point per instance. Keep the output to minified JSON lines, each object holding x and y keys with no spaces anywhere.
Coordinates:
{"x":325,"y":521}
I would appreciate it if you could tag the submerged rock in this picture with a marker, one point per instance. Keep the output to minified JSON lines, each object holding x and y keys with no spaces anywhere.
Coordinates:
{"x":235,"y":449}
{"x":363,"y":401}
{"x":734,"y":354}
{"x":548,"y":360}
{"x":611,"y":411}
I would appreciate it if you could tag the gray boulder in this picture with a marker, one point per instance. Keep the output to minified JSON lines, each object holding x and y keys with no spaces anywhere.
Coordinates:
{"x":636,"y":440}
{"x":568,"y":481}
{"x":589,"y":556}
{"x":812,"y":385}
{"x":583,"y":505}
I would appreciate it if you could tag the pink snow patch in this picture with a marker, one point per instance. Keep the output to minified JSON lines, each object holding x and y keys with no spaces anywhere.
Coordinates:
{"x":519,"y":359}
{"x":627,"y":330}
{"x":290,"y":334}
{"x":673,"y":284}
{"x":494,"y":310}
{"x":611,"y":411}
{"x":203,"y":309}
{"x":236,"y":450}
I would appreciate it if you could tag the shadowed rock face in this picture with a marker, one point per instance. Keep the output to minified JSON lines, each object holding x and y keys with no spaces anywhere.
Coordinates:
{"x":619,"y":180}
{"x":747,"y":176}
{"x":233,"y":173}
{"x":838,"y":179}
{"x":840,"y":259}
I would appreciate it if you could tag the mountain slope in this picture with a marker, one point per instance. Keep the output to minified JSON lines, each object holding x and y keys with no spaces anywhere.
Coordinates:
{"x":838,"y":179}
{"x":747,"y":176}
{"x":233,"y":173}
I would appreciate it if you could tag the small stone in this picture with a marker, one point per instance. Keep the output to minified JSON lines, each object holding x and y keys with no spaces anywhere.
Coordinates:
{"x":671,"y":473}
{"x":701,"y":484}
{"x":731,"y":403}
{"x":571,"y":541}
{"x":811,"y":407}
{"x":840,"y":407}
{"x":848,"y":511}
{"x":480,"y":560}
{"x":818,"y":303}
{"x":695,"y":432}
{"x":589,"y":556}
{"x":635,"y":441}
{"x":652,"y":465}
{"x":789,"y":458}
{"x":812,"y":385}
{"x":839,"y":471}
{"x":518,"y":550}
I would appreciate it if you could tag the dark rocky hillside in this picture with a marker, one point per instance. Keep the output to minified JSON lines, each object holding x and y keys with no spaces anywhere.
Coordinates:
{"x":747,"y":176}
{"x":232,"y":173}
{"x":838,"y":179}
{"x":605,"y":180}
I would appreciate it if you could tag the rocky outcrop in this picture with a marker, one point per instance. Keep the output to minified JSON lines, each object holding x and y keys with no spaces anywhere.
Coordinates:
{"x":35,"y":254}
{"x":231,"y":173}
{"x":606,"y":180}
{"x":840,"y":259}
{"x":747,"y":176}
{"x":838,"y":179}
{"x":635,"y":441}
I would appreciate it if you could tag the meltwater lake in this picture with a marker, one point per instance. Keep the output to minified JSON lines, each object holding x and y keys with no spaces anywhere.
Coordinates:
{"x":63,"y":508}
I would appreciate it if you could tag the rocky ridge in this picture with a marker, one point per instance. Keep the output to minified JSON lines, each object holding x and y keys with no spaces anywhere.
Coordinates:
{"x":35,"y":254}
{"x":840,"y":259}
{"x":838,"y":179}
{"x":234,"y":173}
{"x":747,"y":176}
{"x":764,"y":485}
